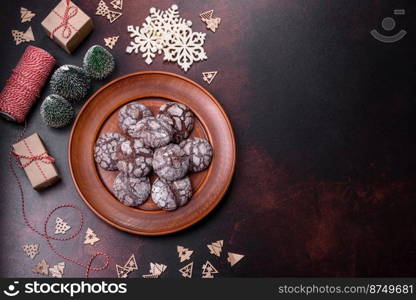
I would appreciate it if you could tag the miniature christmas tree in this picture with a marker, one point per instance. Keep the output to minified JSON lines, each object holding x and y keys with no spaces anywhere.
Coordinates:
{"x":70,"y":82}
{"x":56,"y":111}
{"x":98,"y":62}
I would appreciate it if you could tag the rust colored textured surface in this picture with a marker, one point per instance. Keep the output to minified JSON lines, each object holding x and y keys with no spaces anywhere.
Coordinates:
{"x":325,"y":183}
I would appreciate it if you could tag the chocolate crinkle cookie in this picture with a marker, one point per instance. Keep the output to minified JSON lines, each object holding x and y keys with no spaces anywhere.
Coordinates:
{"x":130,"y":114}
{"x":134,"y":159}
{"x":131,"y":191}
{"x":180,"y":118}
{"x":105,"y":150}
{"x":153,"y":132}
{"x":199,"y":151}
{"x":171,"y":195}
{"x":170,"y":162}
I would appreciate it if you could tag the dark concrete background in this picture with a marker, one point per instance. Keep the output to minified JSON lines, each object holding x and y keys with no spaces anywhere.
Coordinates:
{"x":324,"y":121}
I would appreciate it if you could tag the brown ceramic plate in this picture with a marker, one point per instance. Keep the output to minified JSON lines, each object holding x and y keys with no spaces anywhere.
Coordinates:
{"x":100,"y":115}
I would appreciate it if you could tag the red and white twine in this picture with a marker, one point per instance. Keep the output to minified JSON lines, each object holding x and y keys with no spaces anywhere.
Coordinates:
{"x":88,"y":266}
{"x":25,"y":83}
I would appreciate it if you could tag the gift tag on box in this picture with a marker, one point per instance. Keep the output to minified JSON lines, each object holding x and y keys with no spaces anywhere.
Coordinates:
{"x":67,"y":25}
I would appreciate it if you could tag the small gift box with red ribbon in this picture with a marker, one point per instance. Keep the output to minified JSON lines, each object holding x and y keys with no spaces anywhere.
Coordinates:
{"x":35,"y":160}
{"x":67,"y":25}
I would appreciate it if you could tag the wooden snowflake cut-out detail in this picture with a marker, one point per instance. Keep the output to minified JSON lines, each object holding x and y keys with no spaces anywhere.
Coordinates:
{"x":61,"y":227}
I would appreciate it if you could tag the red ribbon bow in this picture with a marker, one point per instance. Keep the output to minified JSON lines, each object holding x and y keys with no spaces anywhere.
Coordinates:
{"x":44,"y":157}
{"x":70,"y":11}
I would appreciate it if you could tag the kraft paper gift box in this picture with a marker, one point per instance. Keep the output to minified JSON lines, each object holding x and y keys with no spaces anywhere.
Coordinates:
{"x":37,"y":164}
{"x":68,"y":25}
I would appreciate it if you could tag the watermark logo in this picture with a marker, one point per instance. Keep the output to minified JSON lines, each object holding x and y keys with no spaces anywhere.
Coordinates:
{"x":11,"y":290}
{"x":388,"y":25}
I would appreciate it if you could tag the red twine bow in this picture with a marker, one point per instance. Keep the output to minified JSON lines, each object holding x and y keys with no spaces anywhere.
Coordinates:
{"x":70,"y":12}
{"x":44,"y":157}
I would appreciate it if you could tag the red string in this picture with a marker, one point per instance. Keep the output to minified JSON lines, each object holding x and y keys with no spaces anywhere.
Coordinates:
{"x":88,"y":267}
{"x":44,"y":157}
{"x":70,"y":12}
{"x":25,"y":83}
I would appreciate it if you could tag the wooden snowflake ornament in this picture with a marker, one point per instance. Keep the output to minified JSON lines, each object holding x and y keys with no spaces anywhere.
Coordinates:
{"x":216,"y":248}
{"x":165,"y":32}
{"x":212,"y":23}
{"x":234,"y":258}
{"x":184,"y":253}
{"x":90,"y":237}
{"x":110,"y":42}
{"x":209,"y":76}
{"x":208,"y":270}
{"x":26,"y":15}
{"x":186,"y":271}
{"x":104,"y":11}
{"x":61,"y":227}
{"x":57,"y":271}
{"x":31,"y":250}
{"x":117,"y":4}
{"x":41,"y":268}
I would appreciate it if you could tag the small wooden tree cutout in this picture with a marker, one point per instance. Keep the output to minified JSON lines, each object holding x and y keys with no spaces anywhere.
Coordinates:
{"x":122,"y":272}
{"x":117,"y":4}
{"x":212,"y":23}
{"x":31,"y":250}
{"x":113,"y":15}
{"x":28,"y":35}
{"x":90,"y":237}
{"x":57,"y":270}
{"x":61,"y":227}
{"x":209,"y":76}
{"x":186,"y":271}
{"x":131,"y":264}
{"x":184,"y":253}
{"x":20,"y":37}
{"x":110,"y":42}
{"x":103,"y":10}
{"x":26,"y":15}
{"x":41,"y":268}
{"x":234,"y":258}
{"x":216,"y":247}
{"x":157,"y":269}
{"x":208,"y":270}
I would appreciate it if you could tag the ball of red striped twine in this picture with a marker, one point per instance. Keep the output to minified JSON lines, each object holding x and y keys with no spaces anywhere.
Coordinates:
{"x":25,"y":83}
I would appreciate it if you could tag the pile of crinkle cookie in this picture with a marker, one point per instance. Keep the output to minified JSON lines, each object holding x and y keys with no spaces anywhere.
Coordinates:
{"x":158,"y":143}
